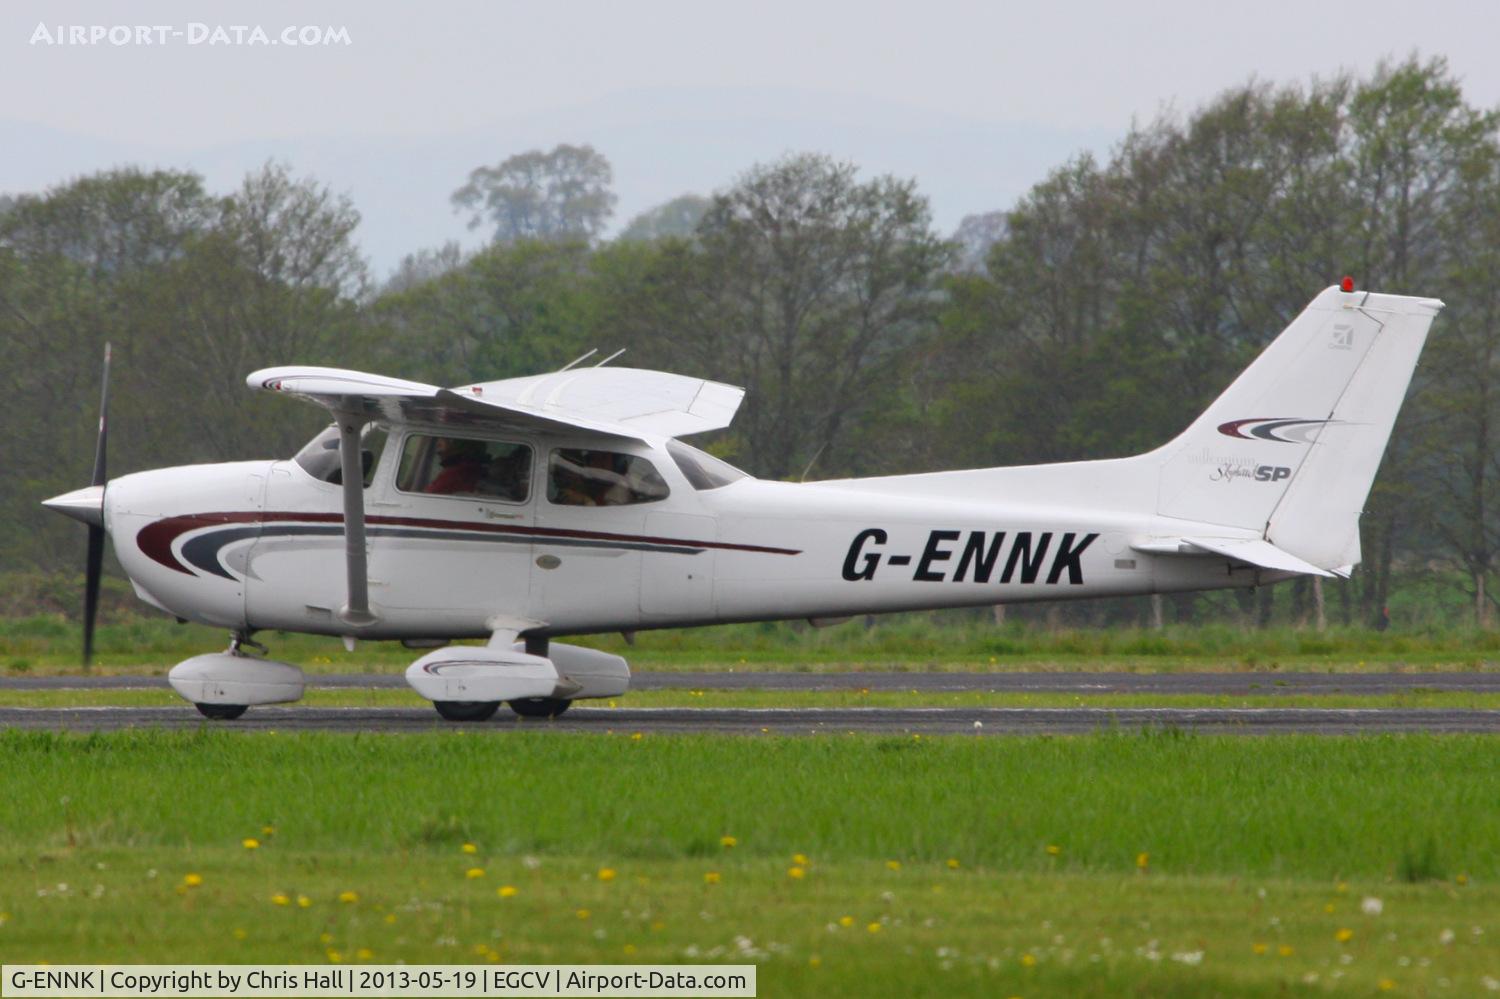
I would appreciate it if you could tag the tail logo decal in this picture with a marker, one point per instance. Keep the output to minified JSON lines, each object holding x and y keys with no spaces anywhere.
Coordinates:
{"x":1280,"y":429}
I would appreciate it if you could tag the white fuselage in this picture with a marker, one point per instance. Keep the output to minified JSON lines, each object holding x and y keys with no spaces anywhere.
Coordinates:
{"x":259,"y":545}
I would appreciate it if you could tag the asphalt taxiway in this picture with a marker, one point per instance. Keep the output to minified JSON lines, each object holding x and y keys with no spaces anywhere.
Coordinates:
{"x":785,"y":721}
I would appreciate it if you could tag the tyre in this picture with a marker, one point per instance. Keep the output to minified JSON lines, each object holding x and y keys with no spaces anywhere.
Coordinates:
{"x":540,"y":707}
{"x":467,"y":711}
{"x":221,"y":712}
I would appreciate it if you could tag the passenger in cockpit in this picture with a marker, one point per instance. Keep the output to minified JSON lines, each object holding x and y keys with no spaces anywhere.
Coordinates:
{"x":462,"y":462}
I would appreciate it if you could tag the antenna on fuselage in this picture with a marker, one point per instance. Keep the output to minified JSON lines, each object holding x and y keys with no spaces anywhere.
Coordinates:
{"x":579,"y":359}
{"x":611,"y":357}
{"x":812,"y":461}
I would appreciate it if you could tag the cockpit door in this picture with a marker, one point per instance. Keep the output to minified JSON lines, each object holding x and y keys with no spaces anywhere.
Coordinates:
{"x":450,"y":523}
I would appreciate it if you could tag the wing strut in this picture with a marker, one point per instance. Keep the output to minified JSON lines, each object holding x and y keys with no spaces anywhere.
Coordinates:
{"x":357,"y":611}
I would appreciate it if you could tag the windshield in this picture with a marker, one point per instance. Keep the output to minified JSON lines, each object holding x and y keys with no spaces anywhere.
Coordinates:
{"x":320,"y":457}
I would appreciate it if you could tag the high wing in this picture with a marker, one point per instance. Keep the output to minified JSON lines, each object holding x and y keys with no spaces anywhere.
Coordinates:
{"x":628,"y":403}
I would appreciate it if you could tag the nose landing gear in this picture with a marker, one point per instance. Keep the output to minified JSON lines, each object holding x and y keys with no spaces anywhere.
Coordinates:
{"x":222,"y":685}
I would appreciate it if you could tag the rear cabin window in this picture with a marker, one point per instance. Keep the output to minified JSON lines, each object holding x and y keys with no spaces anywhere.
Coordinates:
{"x":320,"y":457}
{"x":579,"y":477}
{"x":463,"y":466}
{"x":701,"y":469}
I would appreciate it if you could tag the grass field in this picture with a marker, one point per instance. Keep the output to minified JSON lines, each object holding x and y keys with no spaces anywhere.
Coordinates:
{"x":47,"y":644}
{"x":1144,"y":864}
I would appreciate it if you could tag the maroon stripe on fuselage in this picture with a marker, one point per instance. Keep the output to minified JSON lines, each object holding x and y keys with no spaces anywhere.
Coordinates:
{"x":155,"y":539}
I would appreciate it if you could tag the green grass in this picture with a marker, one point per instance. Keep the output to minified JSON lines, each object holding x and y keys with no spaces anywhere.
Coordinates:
{"x":1251,"y":845}
{"x":685,"y":697}
{"x":44,"y":644}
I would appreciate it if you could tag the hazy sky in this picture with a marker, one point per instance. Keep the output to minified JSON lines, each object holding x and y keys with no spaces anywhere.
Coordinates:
{"x":976,"y":100}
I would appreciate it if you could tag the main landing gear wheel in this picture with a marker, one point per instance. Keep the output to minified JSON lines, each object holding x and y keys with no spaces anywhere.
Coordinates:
{"x":467,"y":711}
{"x":221,"y":712}
{"x":539,"y":707}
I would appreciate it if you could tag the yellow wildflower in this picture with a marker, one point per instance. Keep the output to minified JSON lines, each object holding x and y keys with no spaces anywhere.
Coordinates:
{"x":1028,"y":960}
{"x":1344,"y":935}
{"x":800,"y":859}
{"x":582,"y":913}
{"x":506,"y":891}
{"x":303,"y":902}
{"x":873,"y":927}
{"x":268,"y":831}
{"x":1142,"y":860}
{"x":846,"y":921}
{"x":334,"y":956}
{"x":728,"y":842}
{"x":1053,"y":850}
{"x":795,"y":873}
{"x":280,"y":898}
{"x":894,"y":865}
{"x":348,"y":897}
{"x":606,"y":874}
{"x":474,"y":872}
{"x":469,"y":848}
{"x":250,"y":844}
{"x":364,"y":953}
{"x":711,"y":878}
{"x":1285,"y":950}
{"x":952,"y":863}
{"x":1258,"y":949}
{"x":192,"y":880}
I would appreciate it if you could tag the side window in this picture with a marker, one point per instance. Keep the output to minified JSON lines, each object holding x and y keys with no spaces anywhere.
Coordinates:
{"x":578,"y":477}
{"x":461,"y":466}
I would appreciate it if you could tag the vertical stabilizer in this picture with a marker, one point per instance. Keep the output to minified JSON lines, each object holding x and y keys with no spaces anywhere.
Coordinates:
{"x":1292,"y":446}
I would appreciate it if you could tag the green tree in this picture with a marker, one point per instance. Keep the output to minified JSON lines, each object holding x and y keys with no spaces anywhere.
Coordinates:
{"x":563,"y":194}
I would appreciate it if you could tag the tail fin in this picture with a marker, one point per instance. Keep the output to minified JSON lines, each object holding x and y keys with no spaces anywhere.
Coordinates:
{"x":1291,"y":448}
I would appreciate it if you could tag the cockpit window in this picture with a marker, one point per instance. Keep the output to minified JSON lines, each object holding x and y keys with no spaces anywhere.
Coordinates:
{"x":463,"y":466}
{"x":320,"y":457}
{"x":579,"y":477}
{"x":701,"y":469}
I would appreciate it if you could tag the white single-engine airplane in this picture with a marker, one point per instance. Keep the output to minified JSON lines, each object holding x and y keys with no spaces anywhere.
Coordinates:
{"x":563,"y":504}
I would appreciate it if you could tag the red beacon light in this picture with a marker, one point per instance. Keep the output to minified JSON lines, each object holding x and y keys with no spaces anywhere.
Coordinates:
{"x":1347,"y":284}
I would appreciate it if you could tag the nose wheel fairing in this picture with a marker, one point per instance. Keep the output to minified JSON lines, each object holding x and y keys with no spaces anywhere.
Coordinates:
{"x":227,"y":680}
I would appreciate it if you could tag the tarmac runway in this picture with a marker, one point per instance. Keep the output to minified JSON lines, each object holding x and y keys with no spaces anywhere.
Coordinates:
{"x":809,"y":721}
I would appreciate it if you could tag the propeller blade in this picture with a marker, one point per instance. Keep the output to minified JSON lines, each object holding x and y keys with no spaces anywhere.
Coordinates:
{"x":101,"y":446}
{"x":94,"y":570}
{"x":94,"y":566}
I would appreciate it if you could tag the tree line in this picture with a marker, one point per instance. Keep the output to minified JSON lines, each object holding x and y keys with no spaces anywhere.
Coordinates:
{"x":1093,"y":318}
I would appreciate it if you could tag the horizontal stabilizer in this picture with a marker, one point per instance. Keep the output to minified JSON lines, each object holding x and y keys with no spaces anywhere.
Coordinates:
{"x":1252,"y":551}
